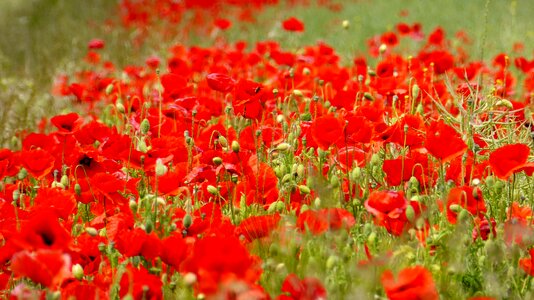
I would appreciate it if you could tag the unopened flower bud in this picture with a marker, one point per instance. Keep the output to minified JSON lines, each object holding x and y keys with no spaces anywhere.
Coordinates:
{"x":345,"y":24}
{"x":223,"y":141}
{"x":235,"y":146}
{"x":217,"y":161}
{"x":282,"y":147}
{"x":91,"y":231}
{"x":161,"y":169}
{"x":145,"y":126}
{"x":187,"y":221}
{"x":368,"y":96}
{"x":212,"y":190}
{"x":77,"y":271}
{"x":304,"y":189}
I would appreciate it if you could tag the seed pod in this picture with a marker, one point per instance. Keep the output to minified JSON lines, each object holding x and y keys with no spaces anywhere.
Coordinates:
{"x":410,"y":213}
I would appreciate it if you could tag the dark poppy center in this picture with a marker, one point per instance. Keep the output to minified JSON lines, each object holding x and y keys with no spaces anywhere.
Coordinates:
{"x":48,"y":238}
{"x":86,"y":161}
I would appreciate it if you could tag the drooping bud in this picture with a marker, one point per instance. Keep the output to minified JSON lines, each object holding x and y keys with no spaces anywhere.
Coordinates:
{"x":145,"y":126}
{"x":304,"y":189}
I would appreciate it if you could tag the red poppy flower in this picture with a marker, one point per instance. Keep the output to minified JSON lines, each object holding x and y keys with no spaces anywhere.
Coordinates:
{"x":293,"y":24}
{"x":37,"y":162}
{"x":443,"y":142}
{"x":412,"y":283}
{"x":96,"y":44}
{"x":141,"y":284}
{"x":509,"y":159}
{"x":527,"y":264}
{"x":309,"y":288}
{"x":256,"y":227}
{"x":174,"y":250}
{"x":8,"y":165}
{"x":325,"y":219}
{"x":388,"y":207}
{"x":68,"y":123}
{"x":220,"y":82}
{"x":326,"y":131}
{"x":467,"y":197}
{"x":44,"y":266}
{"x":213,"y":259}
{"x":223,"y":24}
{"x":398,"y":170}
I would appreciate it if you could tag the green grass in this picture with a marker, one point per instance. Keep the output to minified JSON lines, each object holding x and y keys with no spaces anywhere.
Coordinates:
{"x":41,"y":38}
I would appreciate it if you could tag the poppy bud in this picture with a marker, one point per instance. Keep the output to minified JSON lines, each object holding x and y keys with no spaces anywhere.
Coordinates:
{"x":300,"y":170}
{"x":187,"y":221}
{"x":78,"y":189}
{"x":414,"y":181}
{"x":298,"y":93}
{"x":368,"y":96}
{"x":345,"y":24}
{"x":276,"y":206}
{"x":283,"y":147}
{"x":120,"y":107}
{"x":212,"y":190}
{"x":91,"y":231}
{"x":56,"y":184}
{"x":133,"y":205}
{"x":304,"y":208}
{"x":190,"y":279}
{"x":463,"y":216}
{"x":304,"y":189}
{"x":317,"y":202}
{"x":77,"y":271}
{"x":371,"y":238}
{"x":275,"y":92}
{"x":103,"y":232}
{"x":235,"y":146}
{"x":331,"y":262}
{"x":286,"y":178}
{"x":16,"y":195}
{"x":356,"y":173}
{"x":455,"y":208}
{"x":375,"y":159}
{"x":23,"y":173}
{"x":382,"y":48}
{"x":410,"y":213}
{"x":306,"y":71}
{"x":145,"y":126}
{"x":334,"y":181}
{"x":415,"y":91}
{"x":141,"y":146}
{"x":161,"y":169}
{"x":109,"y":89}
{"x":64,"y":180}
{"x":504,"y":103}
{"x":217,"y":160}
{"x":149,"y":226}
{"x":223,"y":141}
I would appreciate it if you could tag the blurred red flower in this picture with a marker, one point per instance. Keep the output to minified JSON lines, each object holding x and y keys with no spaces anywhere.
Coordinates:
{"x":293,"y":24}
{"x":294,"y":288}
{"x":509,"y":159}
{"x":412,"y":283}
{"x":444,"y":142}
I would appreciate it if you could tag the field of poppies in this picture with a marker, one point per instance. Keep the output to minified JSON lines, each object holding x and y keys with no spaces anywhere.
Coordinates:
{"x":267,"y":150}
